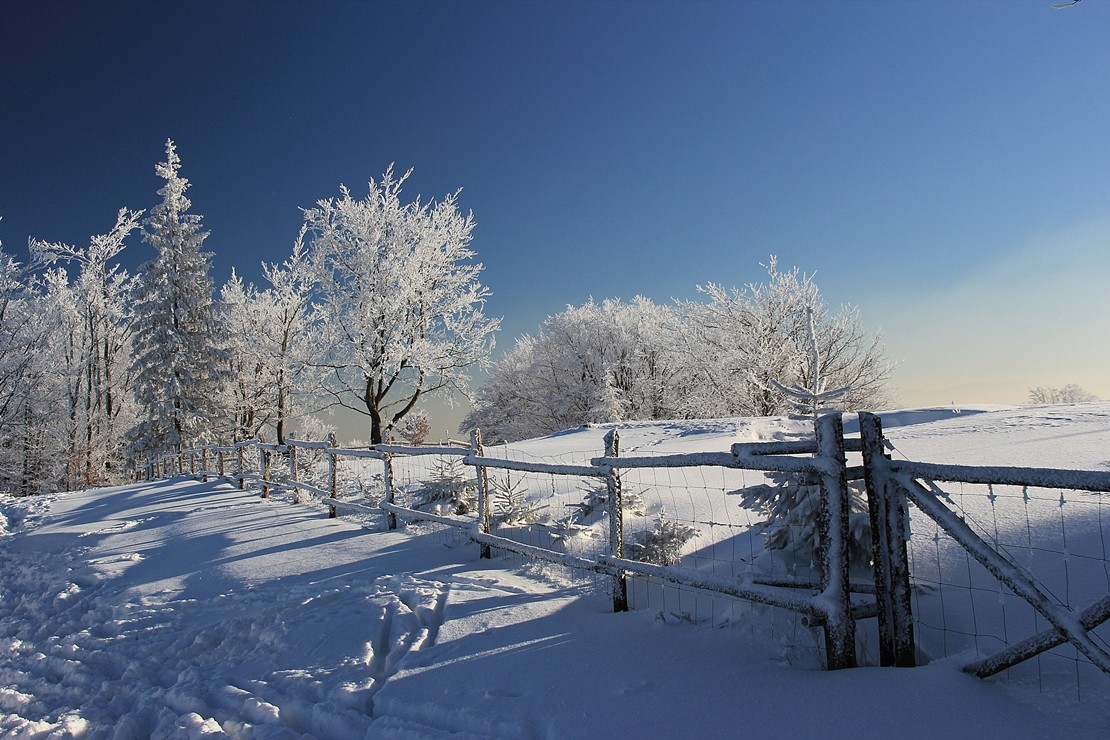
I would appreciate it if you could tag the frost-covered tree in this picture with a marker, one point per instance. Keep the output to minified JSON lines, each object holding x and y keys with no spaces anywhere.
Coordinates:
{"x":793,"y":504}
{"x":19,"y":339}
{"x":272,"y":344}
{"x":400,"y":299}
{"x":92,"y":328}
{"x":743,"y":341}
{"x":30,"y":415}
{"x":811,"y":398}
{"x":290,"y":343}
{"x":1070,"y":393}
{"x":599,"y":362}
{"x":241,"y":312}
{"x":612,"y":362}
{"x":178,"y":364}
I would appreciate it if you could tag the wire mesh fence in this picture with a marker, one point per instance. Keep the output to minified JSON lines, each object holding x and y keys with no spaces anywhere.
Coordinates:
{"x":1059,"y":537}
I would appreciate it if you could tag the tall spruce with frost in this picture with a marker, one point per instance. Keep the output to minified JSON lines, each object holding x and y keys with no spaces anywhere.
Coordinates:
{"x":400,"y":298}
{"x":177,"y":365}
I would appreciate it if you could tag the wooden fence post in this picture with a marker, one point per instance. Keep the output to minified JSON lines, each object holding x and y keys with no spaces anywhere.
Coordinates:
{"x":264,"y":466}
{"x":333,"y":473}
{"x":616,"y":522}
{"x":889,"y":517}
{"x":220,"y":460}
{"x":239,"y":465}
{"x":834,"y":533}
{"x":204,"y":464}
{"x":292,"y":463}
{"x":485,"y":551}
{"x":387,"y":480}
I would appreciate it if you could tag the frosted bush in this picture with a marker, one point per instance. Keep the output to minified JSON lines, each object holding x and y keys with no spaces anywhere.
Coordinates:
{"x":791,"y":507}
{"x":448,"y":490}
{"x":510,"y":501}
{"x":663,"y":544}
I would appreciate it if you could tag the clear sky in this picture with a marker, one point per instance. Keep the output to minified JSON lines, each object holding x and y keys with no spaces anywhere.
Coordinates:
{"x":943,"y":165}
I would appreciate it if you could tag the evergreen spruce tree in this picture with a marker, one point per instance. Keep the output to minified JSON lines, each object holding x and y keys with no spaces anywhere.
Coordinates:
{"x":177,"y":364}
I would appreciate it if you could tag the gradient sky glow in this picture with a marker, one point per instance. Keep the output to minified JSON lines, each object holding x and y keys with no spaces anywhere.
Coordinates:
{"x":941,"y":164}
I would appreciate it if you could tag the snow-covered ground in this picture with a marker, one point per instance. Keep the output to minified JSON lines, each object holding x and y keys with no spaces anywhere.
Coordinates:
{"x":187,"y":609}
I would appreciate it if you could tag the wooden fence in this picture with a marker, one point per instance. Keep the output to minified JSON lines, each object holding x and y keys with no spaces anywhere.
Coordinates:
{"x":831,"y":602}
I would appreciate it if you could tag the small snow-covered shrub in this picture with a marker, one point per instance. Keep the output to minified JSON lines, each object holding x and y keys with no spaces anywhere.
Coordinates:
{"x":791,"y":507}
{"x":663,"y":544}
{"x":595,"y":500}
{"x":589,"y":517}
{"x":414,"y":428}
{"x":372,"y":489}
{"x":510,"y":501}
{"x":448,"y":490}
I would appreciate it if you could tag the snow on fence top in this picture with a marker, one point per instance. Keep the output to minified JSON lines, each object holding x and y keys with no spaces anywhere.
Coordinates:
{"x":1079,"y":480}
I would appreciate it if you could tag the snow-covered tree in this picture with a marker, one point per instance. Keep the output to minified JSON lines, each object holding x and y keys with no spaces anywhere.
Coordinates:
{"x":609,"y":361}
{"x":29,"y":408}
{"x":241,"y":312}
{"x":92,"y":328}
{"x":178,"y":362}
{"x":743,"y":341}
{"x":272,"y":342}
{"x":1070,"y":393}
{"x":598,"y":362}
{"x":793,"y":504}
{"x":400,"y":299}
{"x":290,"y":342}
{"x":811,"y":398}
{"x":18,"y":339}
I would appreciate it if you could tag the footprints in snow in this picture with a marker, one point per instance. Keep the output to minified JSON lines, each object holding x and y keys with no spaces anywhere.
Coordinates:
{"x":412,"y":613}
{"x":121,"y":526}
{"x":131,"y":557}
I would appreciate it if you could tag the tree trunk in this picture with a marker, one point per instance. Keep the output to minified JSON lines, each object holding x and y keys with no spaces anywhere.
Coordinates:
{"x":371,"y":400}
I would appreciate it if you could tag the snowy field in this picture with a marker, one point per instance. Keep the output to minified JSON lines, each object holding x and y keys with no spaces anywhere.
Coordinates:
{"x":187,"y":609}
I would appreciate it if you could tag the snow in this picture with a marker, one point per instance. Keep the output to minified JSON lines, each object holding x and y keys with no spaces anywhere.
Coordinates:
{"x":187,"y":609}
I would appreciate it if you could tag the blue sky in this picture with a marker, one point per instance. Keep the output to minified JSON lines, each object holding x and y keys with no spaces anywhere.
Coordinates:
{"x":942,"y":165}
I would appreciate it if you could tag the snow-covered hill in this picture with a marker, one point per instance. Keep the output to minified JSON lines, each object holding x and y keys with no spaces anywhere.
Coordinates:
{"x":187,"y":609}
